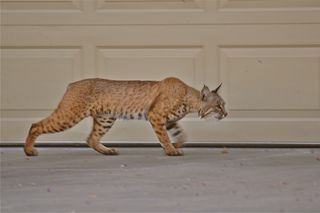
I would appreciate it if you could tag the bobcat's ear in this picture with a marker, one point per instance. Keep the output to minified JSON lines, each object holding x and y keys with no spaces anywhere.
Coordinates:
{"x":217,"y":89}
{"x":204,"y":93}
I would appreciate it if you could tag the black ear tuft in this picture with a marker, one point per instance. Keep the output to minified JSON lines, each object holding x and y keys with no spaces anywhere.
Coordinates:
{"x":217,"y":89}
{"x":204,"y":93}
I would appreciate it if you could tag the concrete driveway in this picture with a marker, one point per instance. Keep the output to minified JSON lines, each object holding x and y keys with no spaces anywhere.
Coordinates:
{"x":145,"y":180}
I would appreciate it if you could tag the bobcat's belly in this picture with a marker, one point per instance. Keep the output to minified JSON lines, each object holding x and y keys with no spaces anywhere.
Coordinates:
{"x":131,"y":116}
{"x":126,"y":116}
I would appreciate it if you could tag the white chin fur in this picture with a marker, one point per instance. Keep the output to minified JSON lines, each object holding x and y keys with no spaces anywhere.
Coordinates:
{"x":216,"y":115}
{"x":212,"y":116}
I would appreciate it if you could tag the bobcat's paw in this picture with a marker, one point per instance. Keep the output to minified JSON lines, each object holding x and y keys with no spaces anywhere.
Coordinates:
{"x":174,"y":152}
{"x":111,"y":151}
{"x":31,"y":151}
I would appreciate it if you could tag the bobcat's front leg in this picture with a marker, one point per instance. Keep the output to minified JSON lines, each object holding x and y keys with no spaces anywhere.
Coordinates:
{"x":159,"y":128}
{"x":177,"y":134}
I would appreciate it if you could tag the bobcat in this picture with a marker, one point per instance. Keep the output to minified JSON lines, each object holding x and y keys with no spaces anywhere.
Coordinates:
{"x":162,"y":103}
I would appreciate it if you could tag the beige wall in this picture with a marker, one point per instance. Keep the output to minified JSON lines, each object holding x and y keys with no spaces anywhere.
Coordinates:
{"x":266,"y":53}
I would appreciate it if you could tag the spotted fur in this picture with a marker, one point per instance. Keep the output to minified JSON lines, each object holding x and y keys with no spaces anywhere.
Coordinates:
{"x":162,"y":103}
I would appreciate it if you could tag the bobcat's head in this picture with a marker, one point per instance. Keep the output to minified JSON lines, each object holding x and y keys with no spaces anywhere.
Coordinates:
{"x":212,"y":104}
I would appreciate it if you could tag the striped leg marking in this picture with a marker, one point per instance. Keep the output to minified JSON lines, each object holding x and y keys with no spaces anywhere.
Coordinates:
{"x":177,"y":134}
{"x":101,"y":125}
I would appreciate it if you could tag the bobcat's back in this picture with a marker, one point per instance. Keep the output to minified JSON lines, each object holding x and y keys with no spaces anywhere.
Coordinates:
{"x":123,"y":99}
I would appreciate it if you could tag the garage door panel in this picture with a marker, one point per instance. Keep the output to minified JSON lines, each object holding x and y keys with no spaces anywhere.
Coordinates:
{"x":36,"y":6}
{"x":151,"y":63}
{"x":272,"y":78}
{"x":147,"y":5}
{"x":105,"y":12}
{"x":35,"y":78}
{"x":269,"y":5}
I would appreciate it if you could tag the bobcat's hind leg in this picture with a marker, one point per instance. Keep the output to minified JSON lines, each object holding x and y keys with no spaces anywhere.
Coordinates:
{"x":101,"y":125}
{"x":177,"y":134}
{"x":34,"y":132}
{"x":58,"y":121}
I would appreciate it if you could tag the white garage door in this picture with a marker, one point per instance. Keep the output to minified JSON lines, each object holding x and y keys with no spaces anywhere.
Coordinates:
{"x":266,"y":53}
